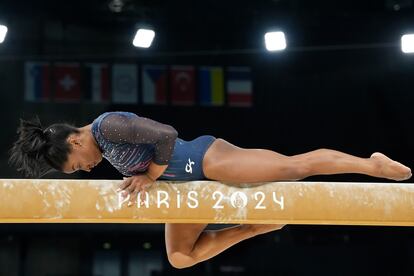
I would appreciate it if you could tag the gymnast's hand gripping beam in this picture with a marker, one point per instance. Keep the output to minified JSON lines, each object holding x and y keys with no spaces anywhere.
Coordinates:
{"x":97,"y":201}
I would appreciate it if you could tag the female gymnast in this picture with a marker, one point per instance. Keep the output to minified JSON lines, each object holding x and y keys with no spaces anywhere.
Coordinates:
{"x":146,"y":150}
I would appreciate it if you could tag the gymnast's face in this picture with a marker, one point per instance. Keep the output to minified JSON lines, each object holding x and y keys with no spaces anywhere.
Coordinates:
{"x":85,"y":153}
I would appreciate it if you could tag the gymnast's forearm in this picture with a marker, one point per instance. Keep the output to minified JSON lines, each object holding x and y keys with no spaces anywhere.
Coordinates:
{"x":154,"y":170}
{"x":212,"y":242}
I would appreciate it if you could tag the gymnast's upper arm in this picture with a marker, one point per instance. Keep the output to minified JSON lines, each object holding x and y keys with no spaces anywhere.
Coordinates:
{"x":119,"y":128}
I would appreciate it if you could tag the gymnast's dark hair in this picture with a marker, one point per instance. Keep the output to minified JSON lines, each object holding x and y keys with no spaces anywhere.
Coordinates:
{"x":40,"y":151}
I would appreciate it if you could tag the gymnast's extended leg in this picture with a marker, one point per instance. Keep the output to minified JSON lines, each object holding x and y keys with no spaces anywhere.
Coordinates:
{"x":228,"y":163}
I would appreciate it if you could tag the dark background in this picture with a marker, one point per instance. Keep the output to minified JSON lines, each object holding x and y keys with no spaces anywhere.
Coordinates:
{"x":343,"y":83}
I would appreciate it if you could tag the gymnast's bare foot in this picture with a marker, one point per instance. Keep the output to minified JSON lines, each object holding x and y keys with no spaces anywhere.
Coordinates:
{"x":388,"y":168}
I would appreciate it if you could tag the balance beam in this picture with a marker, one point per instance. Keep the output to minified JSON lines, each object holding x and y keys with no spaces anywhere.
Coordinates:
{"x":96,"y":201}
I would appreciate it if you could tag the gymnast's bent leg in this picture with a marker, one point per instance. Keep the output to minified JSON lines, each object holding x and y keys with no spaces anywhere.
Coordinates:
{"x":189,"y":244}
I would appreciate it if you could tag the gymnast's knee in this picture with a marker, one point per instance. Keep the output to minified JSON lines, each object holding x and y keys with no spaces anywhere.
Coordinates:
{"x":180,"y":260}
{"x":299,"y":169}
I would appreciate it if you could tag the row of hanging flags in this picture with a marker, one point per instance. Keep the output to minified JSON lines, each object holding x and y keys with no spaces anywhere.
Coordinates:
{"x":125,"y":84}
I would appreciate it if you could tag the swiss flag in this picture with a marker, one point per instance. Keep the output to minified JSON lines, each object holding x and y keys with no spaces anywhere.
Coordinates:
{"x":67,"y":78}
{"x":182,"y":85}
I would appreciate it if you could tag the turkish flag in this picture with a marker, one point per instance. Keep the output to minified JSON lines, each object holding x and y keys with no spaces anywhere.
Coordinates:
{"x":182,"y":85}
{"x":67,"y":77}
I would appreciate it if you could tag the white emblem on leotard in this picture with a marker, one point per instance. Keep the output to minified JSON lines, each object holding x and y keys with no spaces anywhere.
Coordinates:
{"x":188,"y":167}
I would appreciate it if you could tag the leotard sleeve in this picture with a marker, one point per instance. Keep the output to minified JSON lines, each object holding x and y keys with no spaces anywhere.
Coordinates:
{"x":128,"y":127}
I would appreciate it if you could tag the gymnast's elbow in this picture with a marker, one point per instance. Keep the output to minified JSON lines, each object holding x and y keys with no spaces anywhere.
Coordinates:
{"x":180,"y":260}
{"x":171,"y":132}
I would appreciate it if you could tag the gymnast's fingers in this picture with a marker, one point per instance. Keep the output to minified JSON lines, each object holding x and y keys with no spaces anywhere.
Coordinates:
{"x":144,"y":189}
{"x":125,"y":183}
{"x":142,"y":193}
{"x":132,"y":187}
{"x":133,"y":197}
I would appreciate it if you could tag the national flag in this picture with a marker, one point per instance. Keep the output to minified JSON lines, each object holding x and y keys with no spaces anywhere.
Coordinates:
{"x":239,"y":86}
{"x":96,"y":82}
{"x":67,"y":78}
{"x":37,"y":82}
{"x":182,"y":80}
{"x":124,"y":83}
{"x":211,"y":86}
{"x":154,"y":84}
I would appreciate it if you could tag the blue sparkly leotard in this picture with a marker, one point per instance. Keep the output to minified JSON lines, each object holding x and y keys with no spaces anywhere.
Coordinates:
{"x":130,"y":142}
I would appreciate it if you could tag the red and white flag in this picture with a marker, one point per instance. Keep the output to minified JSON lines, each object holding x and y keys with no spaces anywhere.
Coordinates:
{"x":239,"y":86}
{"x":182,"y":80}
{"x":66,"y":77}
